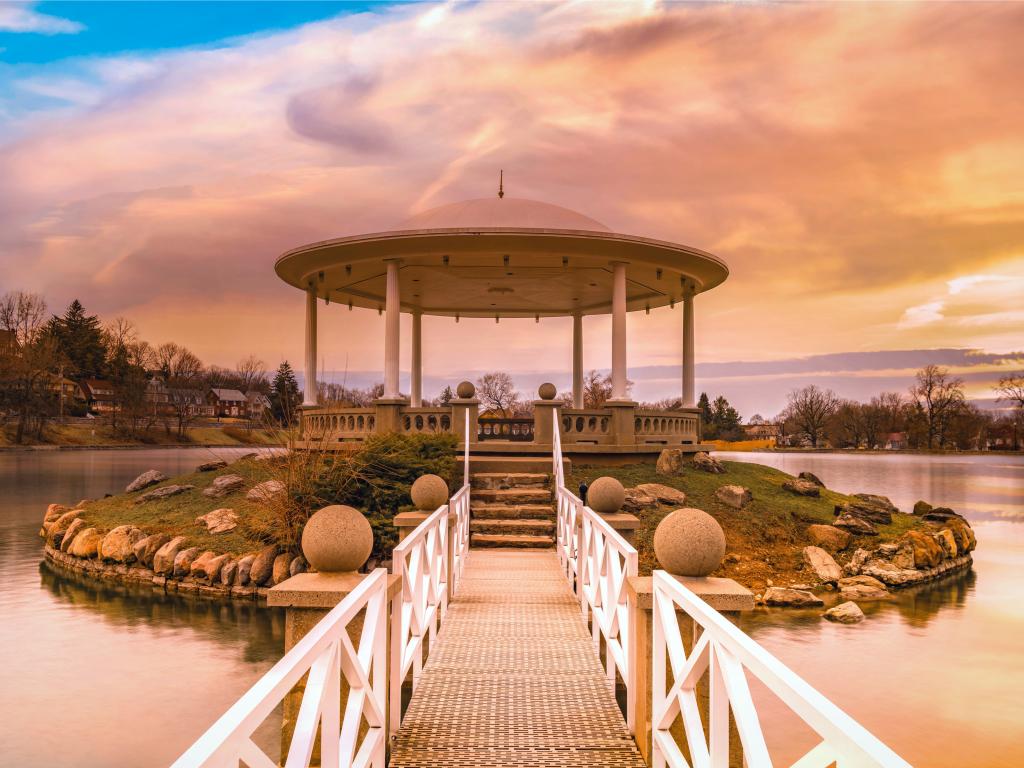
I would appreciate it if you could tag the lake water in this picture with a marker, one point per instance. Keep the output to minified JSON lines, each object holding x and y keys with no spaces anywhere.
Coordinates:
{"x":98,"y":675}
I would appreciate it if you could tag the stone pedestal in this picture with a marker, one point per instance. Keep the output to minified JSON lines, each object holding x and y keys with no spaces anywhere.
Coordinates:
{"x":389,"y":414}
{"x":623,"y":426}
{"x":625,"y":523}
{"x":460,"y":407}
{"x":307,"y":598}
{"x":724,"y":595}
{"x":543,"y":421}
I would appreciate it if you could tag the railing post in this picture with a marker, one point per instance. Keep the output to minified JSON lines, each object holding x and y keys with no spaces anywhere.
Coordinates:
{"x":622,"y":427}
{"x":724,"y":595}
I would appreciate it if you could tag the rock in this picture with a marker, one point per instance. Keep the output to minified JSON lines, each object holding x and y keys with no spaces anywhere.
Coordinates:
{"x":706,"y":463}
{"x":845,"y":613}
{"x":183,"y":561}
{"x":606,"y":495}
{"x":864,"y":592}
{"x":865,"y":511}
{"x":211,"y":466}
{"x":891,"y":574}
{"x":245,"y":457}
{"x":880,"y":502}
{"x":336,"y":539}
{"x":219,"y":520}
{"x":279,"y":572}
{"x":86,"y":543}
{"x":801,"y":487}
{"x":904,"y":558}
{"x":298,"y":565}
{"x":821,"y":562}
{"x":119,"y":544}
{"x":922,"y":508}
{"x":163,"y":493}
{"x":263,"y":565}
{"x":860,"y":581}
{"x":266,"y":490}
{"x":963,"y":533}
{"x":228,"y":573}
{"x":429,"y":492}
{"x":791,"y":597}
{"x":941,"y":515}
{"x":663,"y":494}
{"x":146,"y":479}
{"x":810,"y":477}
{"x":145,"y":550}
{"x":735,"y":496}
{"x":55,"y":533}
{"x":926,"y":552}
{"x":947,"y":542}
{"x":828,"y":537}
{"x":244,"y":566}
{"x":163,"y":558}
{"x":209,"y":565}
{"x":53,"y":511}
{"x":689,"y":542}
{"x":670,"y":462}
{"x":855,"y":525}
{"x":69,"y":535}
{"x":223,"y":485}
{"x":637,"y":501}
{"x":860,"y":557}
{"x":197,"y":568}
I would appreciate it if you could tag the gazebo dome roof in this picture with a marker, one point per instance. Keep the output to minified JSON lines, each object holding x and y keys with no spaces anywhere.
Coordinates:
{"x":501,"y":213}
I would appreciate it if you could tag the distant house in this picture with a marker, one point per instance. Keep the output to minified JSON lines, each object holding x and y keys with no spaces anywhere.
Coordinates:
{"x":192,"y":401}
{"x":895,"y":441}
{"x":257,"y":404}
{"x":227,"y":402}
{"x":99,"y":395}
{"x":770,"y":432}
{"x":157,"y":395}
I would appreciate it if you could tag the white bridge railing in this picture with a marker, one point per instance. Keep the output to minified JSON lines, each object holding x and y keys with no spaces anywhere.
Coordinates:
{"x":726,"y":654}
{"x":597,"y":561}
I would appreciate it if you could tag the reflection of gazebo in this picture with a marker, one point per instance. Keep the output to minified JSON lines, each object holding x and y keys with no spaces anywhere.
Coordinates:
{"x":504,"y":258}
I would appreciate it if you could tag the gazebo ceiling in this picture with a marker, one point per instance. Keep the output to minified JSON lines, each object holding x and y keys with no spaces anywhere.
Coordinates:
{"x":507,"y":257}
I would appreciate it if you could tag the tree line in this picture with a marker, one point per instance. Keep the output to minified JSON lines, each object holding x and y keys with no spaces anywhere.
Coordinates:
{"x":40,"y":352}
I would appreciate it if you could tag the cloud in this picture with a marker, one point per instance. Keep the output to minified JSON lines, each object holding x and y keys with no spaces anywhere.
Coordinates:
{"x":857,"y":166}
{"x":21,"y":17}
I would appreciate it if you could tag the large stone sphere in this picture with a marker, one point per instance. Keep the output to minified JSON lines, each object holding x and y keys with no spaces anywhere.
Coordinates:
{"x":429,"y":492}
{"x":465,"y":390}
{"x":337,"y":539}
{"x":547,"y":391}
{"x":689,"y":542}
{"x":606,"y":495}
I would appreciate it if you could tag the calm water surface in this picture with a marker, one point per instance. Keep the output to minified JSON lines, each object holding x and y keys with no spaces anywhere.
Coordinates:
{"x":96,"y":675}
{"x":937,"y":673}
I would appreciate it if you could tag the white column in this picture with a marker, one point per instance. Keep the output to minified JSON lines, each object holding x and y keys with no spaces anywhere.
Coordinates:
{"x":310,"y":396}
{"x":689,"y":399}
{"x":618,"y":331}
{"x":577,"y":360}
{"x":416,"y":375}
{"x":392,"y":326}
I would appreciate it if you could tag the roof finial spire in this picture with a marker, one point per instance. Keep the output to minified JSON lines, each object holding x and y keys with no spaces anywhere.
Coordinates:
{"x":501,"y":184}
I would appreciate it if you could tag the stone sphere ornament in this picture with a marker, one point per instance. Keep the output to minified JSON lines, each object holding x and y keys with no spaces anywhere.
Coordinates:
{"x":465,"y":390}
{"x":337,"y":539}
{"x":689,"y":542}
{"x":429,"y":492}
{"x":547,"y":391}
{"x":606,"y":495}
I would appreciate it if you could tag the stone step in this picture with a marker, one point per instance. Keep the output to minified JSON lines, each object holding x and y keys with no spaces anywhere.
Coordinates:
{"x":512,"y":496}
{"x":540,"y":463}
{"x":512,"y":526}
{"x":498,"y":481}
{"x":521,"y":541}
{"x":512,"y":511}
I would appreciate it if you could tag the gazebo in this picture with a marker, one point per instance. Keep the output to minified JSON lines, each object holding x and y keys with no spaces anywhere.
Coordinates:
{"x":504,"y":258}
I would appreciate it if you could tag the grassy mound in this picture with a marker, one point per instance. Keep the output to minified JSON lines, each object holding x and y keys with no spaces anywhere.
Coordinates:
{"x":765,"y":539}
{"x":376,"y":479}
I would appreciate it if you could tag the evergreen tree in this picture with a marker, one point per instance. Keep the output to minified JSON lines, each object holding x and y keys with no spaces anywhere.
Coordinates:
{"x":447,"y":395}
{"x":284,"y":394}
{"x":705,"y":408}
{"x":80,"y":339}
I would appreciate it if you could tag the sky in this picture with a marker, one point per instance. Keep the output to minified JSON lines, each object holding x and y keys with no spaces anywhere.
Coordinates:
{"x":857,"y":165}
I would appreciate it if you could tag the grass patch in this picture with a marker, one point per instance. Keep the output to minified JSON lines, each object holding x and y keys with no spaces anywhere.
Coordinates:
{"x":765,"y":540}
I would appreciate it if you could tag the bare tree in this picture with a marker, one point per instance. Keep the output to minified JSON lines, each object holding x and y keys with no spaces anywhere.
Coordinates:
{"x":810,"y":410}
{"x":892,"y":409}
{"x":29,"y":361}
{"x":937,"y":398}
{"x":252,"y":374}
{"x":129,"y":359}
{"x":183,"y":374}
{"x":497,"y":392}
{"x":1010,"y":389}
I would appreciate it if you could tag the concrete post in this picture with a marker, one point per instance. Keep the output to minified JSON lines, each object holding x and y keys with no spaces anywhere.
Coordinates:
{"x":309,"y":398}
{"x":725,"y":596}
{"x":577,"y":360}
{"x":460,"y":407}
{"x":416,"y":372}
{"x":307,"y":598}
{"x":618,"y":330}
{"x":543,"y":421}
{"x":623,"y":424}
{"x":689,"y":395}
{"x":392,"y":328}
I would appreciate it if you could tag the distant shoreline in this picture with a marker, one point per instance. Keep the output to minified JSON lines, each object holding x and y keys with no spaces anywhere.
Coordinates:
{"x":872,"y":451}
{"x":134,"y":447}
